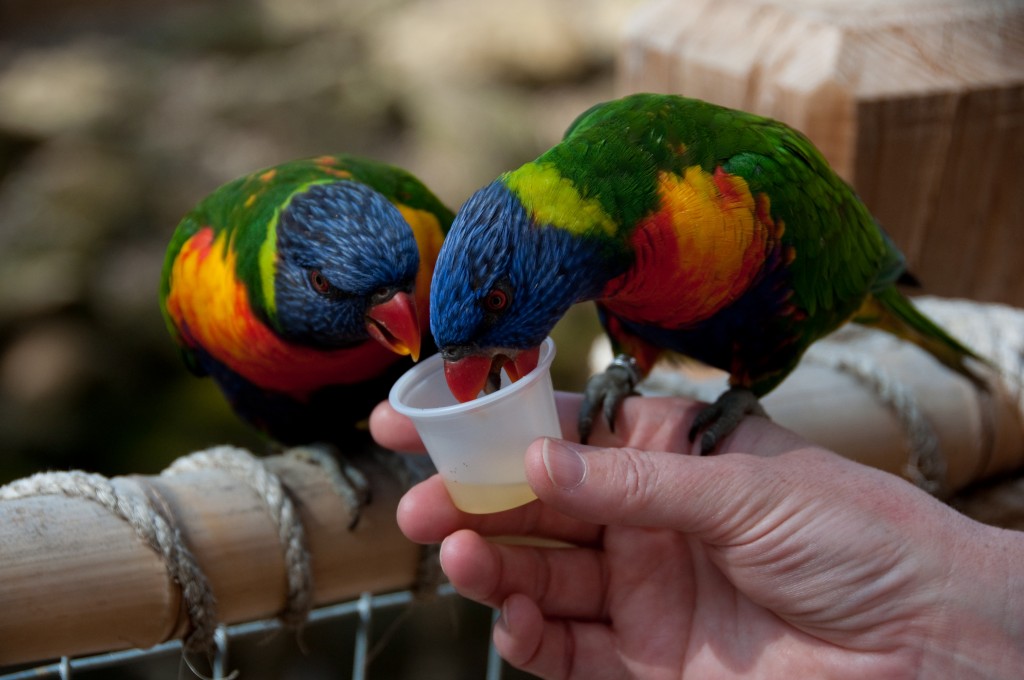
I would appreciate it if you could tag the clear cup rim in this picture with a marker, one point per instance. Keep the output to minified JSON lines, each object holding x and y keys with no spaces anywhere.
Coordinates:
{"x":416,"y":374}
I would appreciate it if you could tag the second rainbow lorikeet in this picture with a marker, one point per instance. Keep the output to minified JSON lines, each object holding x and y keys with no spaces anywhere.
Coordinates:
{"x":301,"y":289}
{"x":700,"y":230}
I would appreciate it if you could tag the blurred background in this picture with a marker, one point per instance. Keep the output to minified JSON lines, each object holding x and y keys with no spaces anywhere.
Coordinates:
{"x":116,"y":117}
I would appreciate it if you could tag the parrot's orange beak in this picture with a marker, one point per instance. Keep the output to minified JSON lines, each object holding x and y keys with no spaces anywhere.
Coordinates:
{"x":469,"y":376}
{"x":394,"y":324}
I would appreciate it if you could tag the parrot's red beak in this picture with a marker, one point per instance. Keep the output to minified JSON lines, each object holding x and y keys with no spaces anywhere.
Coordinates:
{"x":394,"y":324}
{"x":469,"y":376}
{"x":523,"y":362}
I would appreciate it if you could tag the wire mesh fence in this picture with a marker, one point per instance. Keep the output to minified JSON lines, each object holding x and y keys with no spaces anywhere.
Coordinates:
{"x":365,"y":632}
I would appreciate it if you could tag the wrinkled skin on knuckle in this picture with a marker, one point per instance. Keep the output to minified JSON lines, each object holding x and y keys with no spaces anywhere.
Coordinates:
{"x":637,"y":478}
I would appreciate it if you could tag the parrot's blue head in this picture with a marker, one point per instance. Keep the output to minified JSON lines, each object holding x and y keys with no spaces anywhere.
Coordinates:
{"x":346,"y":265}
{"x":501,"y":283}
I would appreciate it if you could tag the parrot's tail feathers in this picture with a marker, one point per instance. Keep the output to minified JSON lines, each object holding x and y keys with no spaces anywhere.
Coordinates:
{"x":890,"y":311}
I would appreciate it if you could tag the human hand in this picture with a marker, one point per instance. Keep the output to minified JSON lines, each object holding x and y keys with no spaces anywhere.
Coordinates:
{"x":774,"y":558}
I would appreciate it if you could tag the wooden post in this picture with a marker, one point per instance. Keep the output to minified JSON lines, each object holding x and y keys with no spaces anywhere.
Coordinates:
{"x":74,"y":579}
{"x":918,"y":103}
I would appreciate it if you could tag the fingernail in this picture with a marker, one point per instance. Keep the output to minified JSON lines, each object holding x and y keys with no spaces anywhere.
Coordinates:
{"x":566,"y":467}
{"x":441,"y":556}
{"x":503,"y":619}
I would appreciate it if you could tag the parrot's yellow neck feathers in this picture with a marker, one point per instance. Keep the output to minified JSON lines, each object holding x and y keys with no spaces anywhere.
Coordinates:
{"x":553,"y":199}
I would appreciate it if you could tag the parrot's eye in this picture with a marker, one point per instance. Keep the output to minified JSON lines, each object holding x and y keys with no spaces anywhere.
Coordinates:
{"x":319,"y":282}
{"x":496,"y":300}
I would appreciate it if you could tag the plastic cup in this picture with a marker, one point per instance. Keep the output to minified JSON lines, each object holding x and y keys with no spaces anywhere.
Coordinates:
{"x":478,"y":446}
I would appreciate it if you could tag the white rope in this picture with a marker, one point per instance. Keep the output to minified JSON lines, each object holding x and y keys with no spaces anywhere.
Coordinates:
{"x":925,"y":466}
{"x":157,"y":529}
{"x":249,"y":470}
{"x":151,"y":527}
{"x":151,"y":518}
{"x":349,"y":483}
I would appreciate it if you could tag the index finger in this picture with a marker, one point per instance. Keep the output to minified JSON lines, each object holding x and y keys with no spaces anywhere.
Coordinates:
{"x":392,"y":430}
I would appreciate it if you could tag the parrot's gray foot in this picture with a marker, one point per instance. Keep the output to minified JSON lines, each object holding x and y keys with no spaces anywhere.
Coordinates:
{"x":608,"y":389}
{"x":717,"y":420}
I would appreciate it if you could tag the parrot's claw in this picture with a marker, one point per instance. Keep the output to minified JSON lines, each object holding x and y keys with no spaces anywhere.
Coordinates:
{"x":607,"y":389}
{"x":719,"y":419}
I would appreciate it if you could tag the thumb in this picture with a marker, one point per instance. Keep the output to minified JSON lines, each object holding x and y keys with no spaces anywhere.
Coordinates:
{"x":712,"y":496}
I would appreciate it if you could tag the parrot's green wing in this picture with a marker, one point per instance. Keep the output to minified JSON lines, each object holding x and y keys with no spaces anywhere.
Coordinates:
{"x":839,"y":252}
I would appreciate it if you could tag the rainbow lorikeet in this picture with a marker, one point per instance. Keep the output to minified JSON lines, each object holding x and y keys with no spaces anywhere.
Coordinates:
{"x":299,"y":288}
{"x":699,"y":230}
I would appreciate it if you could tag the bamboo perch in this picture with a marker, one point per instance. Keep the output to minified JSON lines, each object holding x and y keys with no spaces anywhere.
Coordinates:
{"x":977,"y":434}
{"x":75,"y":579}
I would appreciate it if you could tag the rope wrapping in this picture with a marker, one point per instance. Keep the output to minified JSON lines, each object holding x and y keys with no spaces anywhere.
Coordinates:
{"x":926,"y":466}
{"x":138,"y":501}
{"x":348,"y":482}
{"x":151,"y":527}
{"x":150,"y":520}
{"x":248,"y":469}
